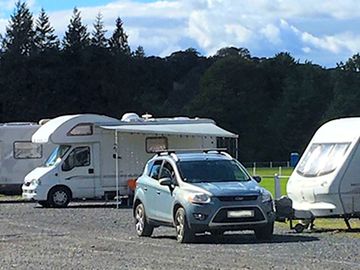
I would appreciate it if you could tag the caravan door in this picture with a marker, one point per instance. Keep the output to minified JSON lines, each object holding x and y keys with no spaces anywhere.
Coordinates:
{"x":79,"y":172}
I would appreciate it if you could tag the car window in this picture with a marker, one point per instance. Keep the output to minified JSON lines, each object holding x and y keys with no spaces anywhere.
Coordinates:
{"x":167,"y":171}
{"x":155,"y":169}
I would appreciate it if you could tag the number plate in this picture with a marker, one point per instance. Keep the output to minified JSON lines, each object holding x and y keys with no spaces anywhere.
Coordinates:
{"x":240,"y":214}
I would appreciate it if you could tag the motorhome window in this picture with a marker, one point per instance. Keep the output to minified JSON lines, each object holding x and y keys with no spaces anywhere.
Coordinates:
{"x":79,"y":157}
{"x":155,"y":169}
{"x":81,"y":130}
{"x":156,"y":144}
{"x":57,"y":155}
{"x":27,"y":150}
{"x":322,"y":158}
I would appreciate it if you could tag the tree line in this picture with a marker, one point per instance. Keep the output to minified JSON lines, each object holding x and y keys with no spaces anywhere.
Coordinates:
{"x":275,"y":104}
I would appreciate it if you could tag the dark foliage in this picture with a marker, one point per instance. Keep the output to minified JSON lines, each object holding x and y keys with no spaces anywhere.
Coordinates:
{"x":275,"y":104}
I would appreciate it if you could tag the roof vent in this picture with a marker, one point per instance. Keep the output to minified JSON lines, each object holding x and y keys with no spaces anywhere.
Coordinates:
{"x":146,"y":116}
{"x":131,"y":117}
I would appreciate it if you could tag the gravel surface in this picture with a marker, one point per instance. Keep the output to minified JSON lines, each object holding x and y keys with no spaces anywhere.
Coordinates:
{"x":98,"y":236}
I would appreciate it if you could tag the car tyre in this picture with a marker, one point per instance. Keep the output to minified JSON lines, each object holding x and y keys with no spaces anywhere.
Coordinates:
{"x":44,"y":204}
{"x":142,"y":227}
{"x":265,"y":232}
{"x":183,"y":233}
{"x":59,"y":197}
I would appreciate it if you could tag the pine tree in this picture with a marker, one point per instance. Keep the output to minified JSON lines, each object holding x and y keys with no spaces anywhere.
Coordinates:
{"x":44,"y":34}
{"x":19,"y":36}
{"x":76,"y":37}
{"x":139,"y":53}
{"x":98,"y":35}
{"x":119,"y":40}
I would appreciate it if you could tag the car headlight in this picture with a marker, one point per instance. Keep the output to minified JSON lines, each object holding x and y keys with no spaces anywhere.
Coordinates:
{"x":199,"y":198}
{"x":266,"y":197}
{"x":36,"y":182}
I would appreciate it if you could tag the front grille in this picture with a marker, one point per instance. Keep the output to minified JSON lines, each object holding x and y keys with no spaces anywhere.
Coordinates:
{"x":238,"y":198}
{"x":221,"y":216}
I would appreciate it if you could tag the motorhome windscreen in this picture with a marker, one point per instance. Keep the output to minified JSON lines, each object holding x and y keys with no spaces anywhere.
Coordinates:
{"x":322,"y":158}
{"x":212,"y":171}
{"x":56,"y":155}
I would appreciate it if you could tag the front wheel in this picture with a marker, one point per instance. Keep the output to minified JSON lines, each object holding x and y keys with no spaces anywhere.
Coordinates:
{"x":183,"y":233}
{"x":265,"y":232}
{"x":59,"y":197}
{"x":142,"y":227}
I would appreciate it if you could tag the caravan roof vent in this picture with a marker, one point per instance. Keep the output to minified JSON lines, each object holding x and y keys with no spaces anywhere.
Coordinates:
{"x":147,"y":116}
{"x":131,"y":117}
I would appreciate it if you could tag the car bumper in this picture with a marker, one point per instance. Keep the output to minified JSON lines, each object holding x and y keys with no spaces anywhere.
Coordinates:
{"x":34,"y":192}
{"x":213,"y":217}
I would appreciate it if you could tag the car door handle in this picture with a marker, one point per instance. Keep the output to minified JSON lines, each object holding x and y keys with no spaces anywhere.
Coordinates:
{"x":158,"y":192}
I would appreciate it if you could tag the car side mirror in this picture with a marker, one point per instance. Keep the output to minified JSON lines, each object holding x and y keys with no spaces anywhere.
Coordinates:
{"x":165,"y":181}
{"x":257,"y":178}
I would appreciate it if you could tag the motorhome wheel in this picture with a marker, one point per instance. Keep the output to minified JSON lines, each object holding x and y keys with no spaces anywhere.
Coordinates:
{"x":59,"y":197}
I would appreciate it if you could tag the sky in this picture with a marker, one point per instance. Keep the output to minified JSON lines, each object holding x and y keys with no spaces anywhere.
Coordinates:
{"x":323,"y":32}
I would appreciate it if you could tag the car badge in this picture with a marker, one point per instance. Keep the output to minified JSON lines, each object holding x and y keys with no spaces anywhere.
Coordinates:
{"x":238,"y":198}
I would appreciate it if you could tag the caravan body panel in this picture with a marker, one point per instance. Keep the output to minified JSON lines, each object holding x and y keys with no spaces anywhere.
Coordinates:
{"x":326,"y":180}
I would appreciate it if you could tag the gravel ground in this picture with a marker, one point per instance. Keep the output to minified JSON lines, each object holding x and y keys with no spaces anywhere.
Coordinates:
{"x":97,"y":236}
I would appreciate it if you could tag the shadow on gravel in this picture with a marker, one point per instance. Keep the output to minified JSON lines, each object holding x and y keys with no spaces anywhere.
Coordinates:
{"x":89,"y":205}
{"x":231,"y":239}
{"x":334,"y":230}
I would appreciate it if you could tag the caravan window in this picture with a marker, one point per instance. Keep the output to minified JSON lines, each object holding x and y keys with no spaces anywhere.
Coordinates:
{"x":322,"y":158}
{"x":24,"y":150}
{"x":155,"y":144}
{"x":83,"y":129}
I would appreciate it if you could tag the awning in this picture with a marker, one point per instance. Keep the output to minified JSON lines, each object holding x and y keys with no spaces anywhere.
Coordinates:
{"x":196,"y":129}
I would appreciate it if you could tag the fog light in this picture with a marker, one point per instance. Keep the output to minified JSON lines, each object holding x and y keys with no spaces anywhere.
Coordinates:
{"x":199,"y":216}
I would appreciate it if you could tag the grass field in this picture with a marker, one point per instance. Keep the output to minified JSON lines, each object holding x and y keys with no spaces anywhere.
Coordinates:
{"x":267,"y":176}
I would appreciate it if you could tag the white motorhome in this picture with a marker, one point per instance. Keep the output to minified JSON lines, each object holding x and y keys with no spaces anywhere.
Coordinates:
{"x":97,"y":156}
{"x":326,"y":180}
{"x":18,"y":155}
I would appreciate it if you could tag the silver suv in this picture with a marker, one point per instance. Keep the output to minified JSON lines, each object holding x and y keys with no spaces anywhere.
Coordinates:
{"x":198,"y":192}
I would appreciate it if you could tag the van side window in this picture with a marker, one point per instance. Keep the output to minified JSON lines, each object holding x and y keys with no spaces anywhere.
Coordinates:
{"x":79,"y":157}
{"x":25,"y":150}
{"x":155,"y":170}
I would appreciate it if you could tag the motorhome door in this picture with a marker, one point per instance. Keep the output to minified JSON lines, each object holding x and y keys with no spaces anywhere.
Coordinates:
{"x":78,"y":171}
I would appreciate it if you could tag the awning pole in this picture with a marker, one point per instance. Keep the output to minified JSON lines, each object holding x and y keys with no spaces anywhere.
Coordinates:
{"x":236,"y":148}
{"x":116,"y":169}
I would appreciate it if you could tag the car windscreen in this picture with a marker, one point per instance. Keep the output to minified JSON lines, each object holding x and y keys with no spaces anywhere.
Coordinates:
{"x":211,"y":171}
{"x":56,"y":155}
{"x":322,"y":158}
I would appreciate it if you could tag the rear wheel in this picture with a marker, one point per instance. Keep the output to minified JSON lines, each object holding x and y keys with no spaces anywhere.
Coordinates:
{"x":183,"y":233}
{"x":265,"y":232}
{"x":142,"y":227}
{"x":59,"y":197}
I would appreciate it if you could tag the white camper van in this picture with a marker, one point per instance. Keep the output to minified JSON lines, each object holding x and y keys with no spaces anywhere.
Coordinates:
{"x":18,"y":155}
{"x":98,"y":156}
{"x":326,"y":180}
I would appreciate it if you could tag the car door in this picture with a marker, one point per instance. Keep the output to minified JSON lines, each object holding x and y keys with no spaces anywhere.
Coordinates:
{"x":164,"y":194}
{"x":78,"y":171}
{"x":149,"y":187}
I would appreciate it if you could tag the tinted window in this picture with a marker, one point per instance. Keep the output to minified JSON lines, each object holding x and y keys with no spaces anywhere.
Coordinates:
{"x":167,"y":171}
{"x":79,"y":157}
{"x":155,"y":170}
{"x":212,"y":171}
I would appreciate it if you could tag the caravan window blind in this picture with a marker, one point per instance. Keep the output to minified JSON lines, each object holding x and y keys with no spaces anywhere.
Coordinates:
{"x":25,"y":150}
{"x":322,"y":158}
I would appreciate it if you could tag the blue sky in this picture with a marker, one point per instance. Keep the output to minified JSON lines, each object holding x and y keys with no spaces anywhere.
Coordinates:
{"x":324,"y":32}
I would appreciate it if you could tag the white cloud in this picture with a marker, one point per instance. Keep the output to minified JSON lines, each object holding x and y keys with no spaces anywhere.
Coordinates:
{"x":263,"y":26}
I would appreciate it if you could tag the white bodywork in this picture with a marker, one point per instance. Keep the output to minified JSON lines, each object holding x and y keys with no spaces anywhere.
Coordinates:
{"x":18,"y":155}
{"x":131,"y":137}
{"x":326,"y":180}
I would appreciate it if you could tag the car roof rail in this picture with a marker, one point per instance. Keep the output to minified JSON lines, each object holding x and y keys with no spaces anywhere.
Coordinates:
{"x":200,"y":150}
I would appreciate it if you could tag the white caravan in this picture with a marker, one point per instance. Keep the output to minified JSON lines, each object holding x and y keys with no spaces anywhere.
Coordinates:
{"x":326,"y":180}
{"x":18,"y":155}
{"x":98,"y":156}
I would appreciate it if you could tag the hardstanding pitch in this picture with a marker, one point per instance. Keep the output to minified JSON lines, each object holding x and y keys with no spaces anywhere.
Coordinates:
{"x":96,"y":236}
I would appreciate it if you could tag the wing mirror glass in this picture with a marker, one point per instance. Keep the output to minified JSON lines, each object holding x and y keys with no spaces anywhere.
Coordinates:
{"x":166,"y":181}
{"x":257,"y":178}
